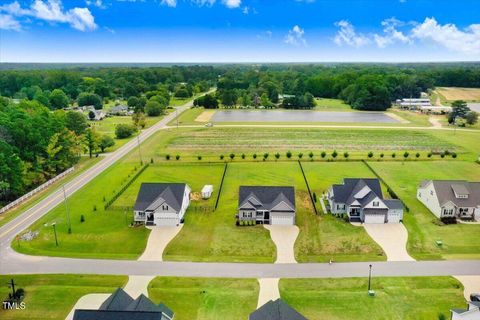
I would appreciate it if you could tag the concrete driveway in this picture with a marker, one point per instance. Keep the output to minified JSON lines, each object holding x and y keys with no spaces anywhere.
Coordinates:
{"x":157,"y":242}
{"x":91,"y":301}
{"x":392,"y":237}
{"x":268,"y":290}
{"x":471,"y":285}
{"x":284,"y":238}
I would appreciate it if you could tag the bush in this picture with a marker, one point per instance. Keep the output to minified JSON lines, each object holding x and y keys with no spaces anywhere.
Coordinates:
{"x":300,"y":155}
{"x":417,"y":155}
{"x":449,"y":220}
{"x":232,"y":155}
{"x":406,"y":154}
{"x":123,"y":131}
{"x":151,"y":160}
{"x":442,"y":155}
{"x":243,"y":155}
{"x":199,"y":157}
{"x":429,"y":154}
{"x":277,"y":155}
{"x":346,"y":155}
{"x":177,"y":157}
{"x":288,"y":154}
{"x":95,"y":206}
{"x":454,"y":155}
{"x":446,"y":152}
{"x":370,"y":154}
{"x":82,"y":218}
{"x":310,"y":155}
{"x":334,"y":154}
{"x":381,"y":155}
{"x":265,"y":156}
{"x":222,"y":157}
{"x":254,"y":156}
{"x":323,"y":154}
{"x":393,"y":155}
{"x":167,"y":157}
{"x":153,"y":108}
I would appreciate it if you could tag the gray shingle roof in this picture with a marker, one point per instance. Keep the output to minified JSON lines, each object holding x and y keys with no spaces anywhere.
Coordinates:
{"x":117,"y":301}
{"x":445,"y":192}
{"x":276,"y":310}
{"x":117,"y":315}
{"x":393,"y":203}
{"x":266,"y":197}
{"x":172,"y":193}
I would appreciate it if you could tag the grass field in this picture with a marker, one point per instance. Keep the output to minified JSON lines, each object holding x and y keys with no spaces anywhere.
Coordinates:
{"x":53,"y":296}
{"x":322,"y":104}
{"x":188,"y":117}
{"x":81,"y":166}
{"x":452,"y":93}
{"x":460,"y":241}
{"x":413,"y":298}
{"x":206,"y":298}
{"x":324,"y":237}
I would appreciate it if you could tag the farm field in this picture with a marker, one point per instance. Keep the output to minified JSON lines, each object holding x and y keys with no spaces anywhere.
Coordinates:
{"x":410,"y":298}
{"x":206,"y":298}
{"x":53,"y":296}
{"x":324,"y":237}
{"x":452,"y":93}
{"x":460,"y":240}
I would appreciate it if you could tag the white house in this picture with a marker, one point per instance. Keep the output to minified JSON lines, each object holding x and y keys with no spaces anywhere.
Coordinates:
{"x":472,"y":313}
{"x":363,"y":201}
{"x":207,"y":191}
{"x":162,"y":204}
{"x":451,"y":198}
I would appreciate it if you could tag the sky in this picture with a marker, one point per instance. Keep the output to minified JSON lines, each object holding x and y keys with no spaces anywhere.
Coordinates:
{"x":239,"y":31}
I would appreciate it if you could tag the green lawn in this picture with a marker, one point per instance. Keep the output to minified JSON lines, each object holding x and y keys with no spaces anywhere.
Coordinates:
{"x":413,"y":298}
{"x":415,"y":118}
{"x":323,"y":237}
{"x":188,"y":117}
{"x":53,"y":296}
{"x":84,"y":164}
{"x":322,"y":104}
{"x":206,"y":298}
{"x":459,"y":241}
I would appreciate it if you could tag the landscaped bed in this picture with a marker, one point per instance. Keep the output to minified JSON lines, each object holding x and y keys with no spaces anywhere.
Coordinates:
{"x":460,"y":241}
{"x":206,"y":298}
{"x":53,"y":296}
{"x":403,"y":298}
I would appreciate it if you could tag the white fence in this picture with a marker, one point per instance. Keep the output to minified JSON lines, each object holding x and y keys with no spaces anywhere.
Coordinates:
{"x":35,"y":191}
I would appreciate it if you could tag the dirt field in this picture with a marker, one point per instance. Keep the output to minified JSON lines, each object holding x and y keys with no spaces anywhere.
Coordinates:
{"x":205,"y":116}
{"x":467,"y":94}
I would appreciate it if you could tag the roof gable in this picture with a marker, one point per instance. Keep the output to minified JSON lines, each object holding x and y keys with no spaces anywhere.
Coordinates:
{"x":276,"y":310}
{"x":267,"y":196}
{"x":119,"y":300}
{"x":171,"y":193}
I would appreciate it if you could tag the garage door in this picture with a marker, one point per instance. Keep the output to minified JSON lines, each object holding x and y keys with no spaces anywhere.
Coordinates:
{"x":374,"y":218}
{"x":166,"y":222}
{"x":393,"y":217}
{"x":282,"y":220}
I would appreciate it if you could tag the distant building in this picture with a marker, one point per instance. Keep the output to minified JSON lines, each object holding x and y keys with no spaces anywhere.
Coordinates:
{"x":436,"y":109}
{"x":121,"y":306}
{"x":413,"y":104}
{"x":120,"y":110}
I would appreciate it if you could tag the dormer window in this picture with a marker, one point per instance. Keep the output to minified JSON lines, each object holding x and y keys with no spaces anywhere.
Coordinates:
{"x":376,"y":203}
{"x":164,"y":207}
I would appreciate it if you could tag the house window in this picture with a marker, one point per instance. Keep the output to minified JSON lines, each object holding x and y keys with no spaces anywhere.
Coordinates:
{"x":431,"y":192}
{"x":447,"y":212}
{"x":463,"y":211}
{"x":376,"y":203}
{"x":164,"y":207}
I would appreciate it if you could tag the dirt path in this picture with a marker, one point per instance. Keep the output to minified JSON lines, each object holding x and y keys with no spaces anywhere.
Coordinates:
{"x":205,"y":116}
{"x":435,"y":121}
{"x":392,"y":237}
{"x":471,"y":285}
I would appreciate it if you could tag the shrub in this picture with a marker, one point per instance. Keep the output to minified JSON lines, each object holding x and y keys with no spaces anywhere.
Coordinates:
{"x":393,"y":155}
{"x":310,"y":155}
{"x":449,"y":220}
{"x":441,"y":316}
{"x":222,"y":157}
{"x":254,"y":156}
{"x":454,"y":155}
{"x":300,"y":155}
{"x":277,"y":155}
{"x":417,"y":155}
{"x":243,"y":155}
{"x":123,"y":130}
{"x":82,"y":218}
{"x":232,"y":155}
{"x":346,"y":155}
{"x":442,"y":155}
{"x":167,"y":157}
{"x":199,"y":157}
{"x":153,"y":108}
{"x":406,"y":154}
{"x":381,"y":155}
{"x":370,"y":154}
{"x":289,"y":154}
{"x":323,"y":154}
{"x":177,"y":157}
{"x":95,"y":206}
{"x":429,"y":154}
{"x":151,"y":160}
{"x":334,"y":154}
{"x":446,"y":152}
{"x":265,"y":156}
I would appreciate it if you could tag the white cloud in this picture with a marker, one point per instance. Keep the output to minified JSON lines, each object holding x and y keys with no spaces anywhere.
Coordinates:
{"x":7,"y":22}
{"x":246,"y":10}
{"x":169,"y":3}
{"x":295,"y":36}
{"x":449,"y":36}
{"x":52,"y":11}
{"x":202,"y":3}
{"x":347,"y":35}
{"x":96,"y":3}
{"x":391,"y":34}
{"x":232,"y":3}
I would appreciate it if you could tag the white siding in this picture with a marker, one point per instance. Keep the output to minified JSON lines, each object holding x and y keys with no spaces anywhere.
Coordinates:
{"x":395,"y":215}
{"x":428,"y":197}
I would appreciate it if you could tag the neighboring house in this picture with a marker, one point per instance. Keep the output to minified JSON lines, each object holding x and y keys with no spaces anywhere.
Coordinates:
{"x":451,"y":198}
{"x":276,"y":310}
{"x":436,"y":109}
{"x":413,"y":104}
{"x":99,"y":115}
{"x":267,"y":205}
{"x":207,"y":191}
{"x":120,"y":306}
{"x":471,"y":313}
{"x":363,"y":201}
{"x":121,"y":110}
{"x":161,"y":204}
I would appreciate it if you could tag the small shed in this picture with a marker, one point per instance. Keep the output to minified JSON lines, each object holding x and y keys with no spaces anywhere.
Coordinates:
{"x":207,"y":191}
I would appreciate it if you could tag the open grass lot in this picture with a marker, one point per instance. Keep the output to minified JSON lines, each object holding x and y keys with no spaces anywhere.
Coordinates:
{"x":460,"y":241}
{"x":188,"y":117}
{"x":216,"y":237}
{"x":81,"y":166}
{"x":53,"y":296}
{"x":214,"y":140}
{"x":413,"y":298}
{"x":206,"y":298}
{"x":414,"y":118}
{"x":323,"y":237}
{"x":322,"y":104}
{"x":452,"y":93}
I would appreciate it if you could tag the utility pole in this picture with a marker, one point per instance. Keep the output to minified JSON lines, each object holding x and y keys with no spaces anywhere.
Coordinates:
{"x":55,"y":233}
{"x":139,"y":151}
{"x":369,"y":278}
{"x":66,"y":209}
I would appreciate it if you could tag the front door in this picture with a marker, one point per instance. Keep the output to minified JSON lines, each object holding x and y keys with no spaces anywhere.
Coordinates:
{"x":266,"y":217}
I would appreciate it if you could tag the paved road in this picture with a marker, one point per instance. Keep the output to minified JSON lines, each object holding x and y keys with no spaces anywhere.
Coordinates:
{"x":20,"y":223}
